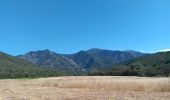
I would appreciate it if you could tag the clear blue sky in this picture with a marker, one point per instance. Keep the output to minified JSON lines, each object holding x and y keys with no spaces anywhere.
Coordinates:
{"x":67,"y":26}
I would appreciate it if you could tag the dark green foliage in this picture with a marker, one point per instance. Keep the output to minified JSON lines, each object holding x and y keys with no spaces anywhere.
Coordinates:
{"x":12,"y":67}
{"x":149,"y":65}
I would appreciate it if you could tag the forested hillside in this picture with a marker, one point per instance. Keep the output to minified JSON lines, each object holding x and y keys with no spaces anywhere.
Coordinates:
{"x":157,"y":64}
{"x":12,"y":67}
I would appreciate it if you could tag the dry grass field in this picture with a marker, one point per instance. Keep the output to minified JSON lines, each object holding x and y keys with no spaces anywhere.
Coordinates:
{"x":86,"y":88}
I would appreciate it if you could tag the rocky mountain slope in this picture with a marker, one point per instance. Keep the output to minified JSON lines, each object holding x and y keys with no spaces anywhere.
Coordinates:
{"x":80,"y":61}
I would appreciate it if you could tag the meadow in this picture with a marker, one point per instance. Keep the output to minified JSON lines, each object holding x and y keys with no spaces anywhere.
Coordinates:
{"x":86,"y":88}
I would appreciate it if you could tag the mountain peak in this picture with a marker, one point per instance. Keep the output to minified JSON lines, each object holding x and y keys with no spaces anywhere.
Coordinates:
{"x":46,"y":51}
{"x":94,"y":49}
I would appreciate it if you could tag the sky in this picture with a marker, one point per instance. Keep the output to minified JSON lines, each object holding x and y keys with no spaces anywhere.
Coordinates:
{"x":67,"y":26}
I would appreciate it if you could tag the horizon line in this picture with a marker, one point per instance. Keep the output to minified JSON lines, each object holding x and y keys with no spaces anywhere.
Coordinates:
{"x":162,"y":50}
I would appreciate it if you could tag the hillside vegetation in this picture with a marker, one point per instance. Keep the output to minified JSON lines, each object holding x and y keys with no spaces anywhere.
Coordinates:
{"x":48,"y":64}
{"x":149,"y":65}
{"x":12,"y":67}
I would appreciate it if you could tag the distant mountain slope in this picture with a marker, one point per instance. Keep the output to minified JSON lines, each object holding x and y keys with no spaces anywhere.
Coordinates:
{"x":12,"y":67}
{"x":109,"y":58}
{"x":157,"y":64}
{"x":49,"y":59}
{"x":81,"y":61}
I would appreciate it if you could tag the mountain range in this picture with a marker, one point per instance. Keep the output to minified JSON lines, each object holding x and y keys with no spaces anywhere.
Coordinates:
{"x":44,"y":63}
{"x":80,"y":61}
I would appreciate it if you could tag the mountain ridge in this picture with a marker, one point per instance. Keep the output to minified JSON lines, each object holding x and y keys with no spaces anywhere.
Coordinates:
{"x":157,"y":64}
{"x":13,"y":67}
{"x":44,"y":63}
{"x":80,"y":61}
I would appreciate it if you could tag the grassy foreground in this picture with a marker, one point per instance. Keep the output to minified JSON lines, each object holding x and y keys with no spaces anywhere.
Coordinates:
{"x":86,"y":88}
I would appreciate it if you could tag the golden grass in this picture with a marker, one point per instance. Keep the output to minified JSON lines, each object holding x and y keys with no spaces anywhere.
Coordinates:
{"x":86,"y":88}
{"x":119,"y":83}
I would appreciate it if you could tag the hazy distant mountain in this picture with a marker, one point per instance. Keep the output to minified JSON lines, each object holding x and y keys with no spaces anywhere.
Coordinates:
{"x":12,"y":67}
{"x":80,"y":61}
